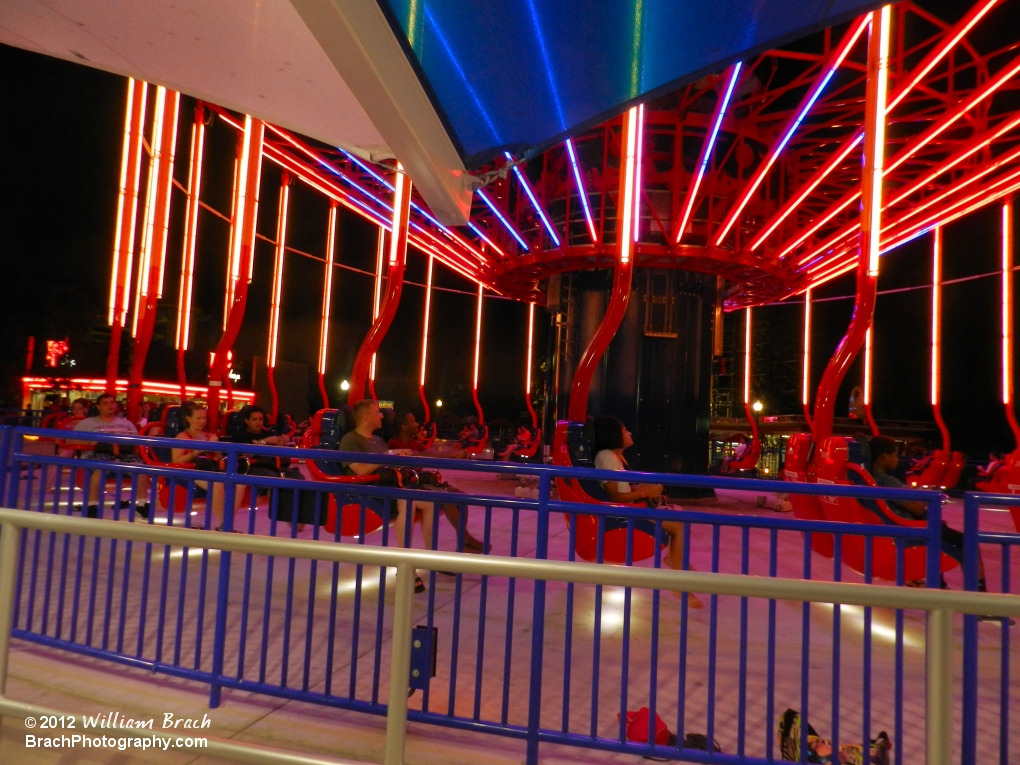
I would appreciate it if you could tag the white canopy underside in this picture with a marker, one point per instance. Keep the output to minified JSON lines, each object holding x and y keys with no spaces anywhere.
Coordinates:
{"x":329,"y":69}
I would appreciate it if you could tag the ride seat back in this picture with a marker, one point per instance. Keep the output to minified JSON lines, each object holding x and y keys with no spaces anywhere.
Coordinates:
{"x":800,"y":448}
{"x":329,"y":424}
{"x":954,"y":470}
{"x":233,"y":425}
{"x":171,"y":426}
{"x":933,"y":472}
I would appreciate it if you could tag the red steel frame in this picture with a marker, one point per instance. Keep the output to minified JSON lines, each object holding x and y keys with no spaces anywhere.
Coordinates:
{"x":154,"y":238}
{"x":394,"y":285}
{"x":242,"y":245}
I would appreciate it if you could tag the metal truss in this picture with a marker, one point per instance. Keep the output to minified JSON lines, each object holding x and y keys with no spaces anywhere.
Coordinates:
{"x":770,"y":152}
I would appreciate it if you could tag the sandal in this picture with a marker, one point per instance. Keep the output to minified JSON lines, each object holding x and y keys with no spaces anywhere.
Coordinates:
{"x":419,"y":585}
{"x":232,"y":531}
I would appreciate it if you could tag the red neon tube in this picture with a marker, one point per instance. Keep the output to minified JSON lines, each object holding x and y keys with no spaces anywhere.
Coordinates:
{"x":527,"y":374}
{"x":1007,"y":319}
{"x":127,"y":214}
{"x":153,"y":253}
{"x":936,"y":336}
{"x":190,"y":240}
{"x":379,"y":254}
{"x":394,"y":286}
{"x":578,"y":408}
{"x":425,"y":341}
{"x":805,"y":392}
{"x":245,"y":217}
{"x":868,"y":361}
{"x":327,"y":301}
{"x":478,"y":354}
{"x":276,"y":299}
{"x":867,"y":274}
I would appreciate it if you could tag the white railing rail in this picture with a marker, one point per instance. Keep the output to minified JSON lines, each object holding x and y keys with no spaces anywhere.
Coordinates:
{"x":940,"y":606}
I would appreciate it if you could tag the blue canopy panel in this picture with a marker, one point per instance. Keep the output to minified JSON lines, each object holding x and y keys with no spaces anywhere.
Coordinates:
{"x":526,"y":74}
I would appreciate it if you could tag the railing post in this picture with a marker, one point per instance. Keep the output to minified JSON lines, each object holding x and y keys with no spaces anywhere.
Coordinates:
{"x":8,"y":576}
{"x":538,"y":622}
{"x":939,"y":676}
{"x":933,"y":572}
{"x":400,"y":666}
{"x":14,"y":472}
{"x":5,"y":456}
{"x":223,"y":584}
{"x":968,"y":744}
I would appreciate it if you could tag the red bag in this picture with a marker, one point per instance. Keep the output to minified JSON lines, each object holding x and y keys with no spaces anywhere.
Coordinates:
{"x":637,"y":727}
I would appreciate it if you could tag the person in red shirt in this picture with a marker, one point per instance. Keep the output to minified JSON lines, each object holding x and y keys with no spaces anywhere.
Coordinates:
{"x":406,"y":435}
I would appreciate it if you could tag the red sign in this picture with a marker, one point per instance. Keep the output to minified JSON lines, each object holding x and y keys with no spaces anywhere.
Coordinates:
{"x":54,"y":350}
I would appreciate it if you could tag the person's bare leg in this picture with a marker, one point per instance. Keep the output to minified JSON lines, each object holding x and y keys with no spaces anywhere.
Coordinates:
{"x":675,"y":556}
{"x":216,"y":504}
{"x":452,"y":513}
{"x":402,"y":510}
{"x":427,"y":518}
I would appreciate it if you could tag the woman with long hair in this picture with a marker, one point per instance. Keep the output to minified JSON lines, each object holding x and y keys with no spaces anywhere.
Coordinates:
{"x":611,"y":439}
{"x":194,"y":417}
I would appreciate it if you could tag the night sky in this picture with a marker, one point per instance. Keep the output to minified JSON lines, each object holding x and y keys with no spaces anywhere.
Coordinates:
{"x":60,"y":140}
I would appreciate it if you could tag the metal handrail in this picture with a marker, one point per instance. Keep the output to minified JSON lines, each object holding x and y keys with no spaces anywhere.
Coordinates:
{"x":940,"y":605}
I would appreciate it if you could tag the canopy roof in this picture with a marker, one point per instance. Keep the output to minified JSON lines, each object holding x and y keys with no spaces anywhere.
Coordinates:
{"x":525,"y":74}
{"x":440,"y":84}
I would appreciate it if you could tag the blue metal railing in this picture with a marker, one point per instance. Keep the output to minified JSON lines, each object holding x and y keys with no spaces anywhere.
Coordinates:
{"x":315,"y":632}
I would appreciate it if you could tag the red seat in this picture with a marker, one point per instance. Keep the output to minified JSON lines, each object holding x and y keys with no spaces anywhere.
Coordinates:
{"x":953,"y":471}
{"x":530,"y":449}
{"x":932,"y":471}
{"x":586,"y":538}
{"x":833,"y":464}
{"x":324,"y":432}
{"x":806,"y":507}
{"x":475,"y":448}
{"x":1005,"y":480}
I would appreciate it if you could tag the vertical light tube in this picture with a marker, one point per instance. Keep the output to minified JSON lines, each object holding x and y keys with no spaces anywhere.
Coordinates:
{"x":874,"y":144}
{"x":867,"y":367}
{"x":379,"y":253}
{"x":625,"y":232}
{"x":528,"y":362}
{"x":228,"y":295}
{"x":805,"y":394}
{"x":747,"y":358}
{"x":425,"y":322}
{"x":638,"y":158}
{"x":127,"y":201}
{"x":281,"y":251}
{"x":478,"y":336}
{"x":161,"y":227}
{"x":152,"y":188}
{"x":190,"y":232}
{"x":1007,"y":304}
{"x":327,"y":290}
{"x":936,"y":317}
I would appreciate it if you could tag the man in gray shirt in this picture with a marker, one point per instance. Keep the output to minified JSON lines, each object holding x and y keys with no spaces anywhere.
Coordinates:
{"x":108,"y":422}
{"x":367,"y":419}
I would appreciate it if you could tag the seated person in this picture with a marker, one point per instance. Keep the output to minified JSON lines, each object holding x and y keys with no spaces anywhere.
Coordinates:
{"x":404,"y":439}
{"x":194,"y":418}
{"x":611,"y":439}
{"x":885,"y":457}
{"x":368,"y":419}
{"x":107,"y":422}
{"x":524,"y":436}
{"x":738,"y":453}
{"x":255,"y":432}
{"x":470,"y":434}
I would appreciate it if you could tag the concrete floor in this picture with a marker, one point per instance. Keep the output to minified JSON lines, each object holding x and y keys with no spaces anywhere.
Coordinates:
{"x":487,"y":685}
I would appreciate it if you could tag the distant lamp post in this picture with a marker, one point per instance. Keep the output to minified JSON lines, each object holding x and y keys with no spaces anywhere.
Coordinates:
{"x":439,"y":402}
{"x":757,"y":406}
{"x":345,"y":385}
